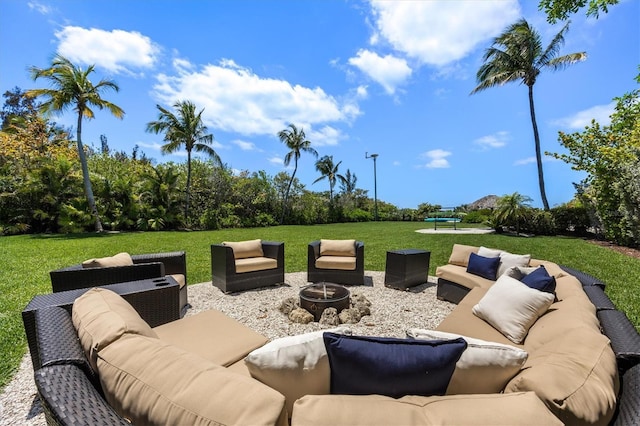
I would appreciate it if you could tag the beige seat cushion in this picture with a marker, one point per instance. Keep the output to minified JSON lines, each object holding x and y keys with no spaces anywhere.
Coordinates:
{"x":484,"y":367}
{"x":180,"y":278}
{"x":100,"y":317}
{"x":374,"y":410}
{"x":251,"y":264}
{"x":244,"y":249}
{"x":149,"y":381}
{"x":345,"y":263}
{"x":120,"y":259}
{"x":460,"y":254}
{"x":459,"y":275}
{"x":575,"y":374}
{"x":211,"y":335}
{"x":338,"y":248}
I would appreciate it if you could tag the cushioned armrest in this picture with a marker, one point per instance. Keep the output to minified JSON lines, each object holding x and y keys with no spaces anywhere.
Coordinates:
{"x":625,"y":340}
{"x":68,"y":397}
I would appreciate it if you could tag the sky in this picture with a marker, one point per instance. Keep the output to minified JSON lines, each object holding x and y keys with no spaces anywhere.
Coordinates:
{"x":360,"y":77}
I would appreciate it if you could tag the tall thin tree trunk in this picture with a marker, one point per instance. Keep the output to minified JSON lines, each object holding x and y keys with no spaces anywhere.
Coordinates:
{"x":286,"y":195}
{"x":186,"y":205}
{"x":88,"y":190}
{"x":536,"y":137}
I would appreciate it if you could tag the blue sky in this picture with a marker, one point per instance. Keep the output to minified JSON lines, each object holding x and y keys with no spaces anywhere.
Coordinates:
{"x":391,"y":78}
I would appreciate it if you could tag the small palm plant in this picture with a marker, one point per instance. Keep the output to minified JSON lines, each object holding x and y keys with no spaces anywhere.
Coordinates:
{"x":512,"y":208}
{"x":329,"y":170}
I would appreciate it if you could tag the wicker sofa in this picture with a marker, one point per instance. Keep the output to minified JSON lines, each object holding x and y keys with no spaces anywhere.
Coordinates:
{"x":140,"y":267}
{"x":555,"y":386}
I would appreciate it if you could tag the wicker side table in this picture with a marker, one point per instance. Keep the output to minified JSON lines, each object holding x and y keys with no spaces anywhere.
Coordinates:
{"x":406,"y":268}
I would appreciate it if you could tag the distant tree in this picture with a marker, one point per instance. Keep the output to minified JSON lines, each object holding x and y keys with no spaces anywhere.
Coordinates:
{"x":561,"y":9}
{"x":184,"y":128}
{"x":348,"y":186}
{"x":71,"y":87}
{"x":16,"y":105}
{"x":512,"y":208}
{"x":329,"y":170}
{"x":297,"y":143}
{"x":517,"y":55}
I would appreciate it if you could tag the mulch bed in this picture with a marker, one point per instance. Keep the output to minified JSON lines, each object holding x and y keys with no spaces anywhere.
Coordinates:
{"x":633,"y":252}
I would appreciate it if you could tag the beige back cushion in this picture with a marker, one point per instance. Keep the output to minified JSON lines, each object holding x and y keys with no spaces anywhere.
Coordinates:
{"x":524,"y":409}
{"x":460,"y":254}
{"x":100,"y":317}
{"x":120,"y":259}
{"x":575,"y":374}
{"x":484,"y":367}
{"x":338,"y":248}
{"x":245,"y":249}
{"x":149,"y":381}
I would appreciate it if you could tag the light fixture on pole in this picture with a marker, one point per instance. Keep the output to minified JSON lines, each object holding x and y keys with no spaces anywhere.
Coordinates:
{"x":375,"y":185}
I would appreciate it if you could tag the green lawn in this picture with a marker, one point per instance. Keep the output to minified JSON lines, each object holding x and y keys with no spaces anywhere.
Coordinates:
{"x":27,"y":259}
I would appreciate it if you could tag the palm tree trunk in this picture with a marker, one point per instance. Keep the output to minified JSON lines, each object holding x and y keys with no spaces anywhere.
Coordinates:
{"x":186,"y":205}
{"x":88,"y":190}
{"x":536,"y":136}
{"x":286,"y":195}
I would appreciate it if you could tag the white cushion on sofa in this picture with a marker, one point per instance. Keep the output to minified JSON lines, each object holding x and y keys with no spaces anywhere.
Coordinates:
{"x":294,"y":365}
{"x":489,"y":252}
{"x":511,"y":307}
{"x":484,"y":367}
{"x":507,"y":260}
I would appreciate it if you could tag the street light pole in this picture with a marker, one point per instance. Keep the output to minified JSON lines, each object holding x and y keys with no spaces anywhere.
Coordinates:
{"x":375,"y":185}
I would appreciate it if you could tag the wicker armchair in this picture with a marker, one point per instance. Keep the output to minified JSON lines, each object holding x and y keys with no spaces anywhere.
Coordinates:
{"x":226,"y":278}
{"x":338,"y":276}
{"x":145,"y":266}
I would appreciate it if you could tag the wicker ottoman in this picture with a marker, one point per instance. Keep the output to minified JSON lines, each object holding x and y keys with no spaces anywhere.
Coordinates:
{"x":406,"y":268}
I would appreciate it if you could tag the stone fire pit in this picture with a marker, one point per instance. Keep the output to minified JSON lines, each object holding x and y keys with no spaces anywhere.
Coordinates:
{"x":327,"y":303}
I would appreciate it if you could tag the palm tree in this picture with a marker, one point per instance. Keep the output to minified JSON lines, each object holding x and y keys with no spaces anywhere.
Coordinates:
{"x":297,"y":143}
{"x":330,"y":171}
{"x":71,"y":87}
{"x":184,"y":128}
{"x":511,"y":208}
{"x":517,"y":55}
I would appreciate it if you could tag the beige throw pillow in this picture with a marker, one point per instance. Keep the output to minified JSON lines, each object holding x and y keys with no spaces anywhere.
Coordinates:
{"x":484,"y":367}
{"x":460,"y":254}
{"x":120,"y":259}
{"x":294,"y":365}
{"x":101,"y":317}
{"x":511,"y":307}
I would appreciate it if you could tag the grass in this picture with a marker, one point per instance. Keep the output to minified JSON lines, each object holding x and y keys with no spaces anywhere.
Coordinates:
{"x":27,"y":259}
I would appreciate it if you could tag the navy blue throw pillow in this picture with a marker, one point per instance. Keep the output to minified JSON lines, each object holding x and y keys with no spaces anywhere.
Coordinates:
{"x":485,"y":267}
{"x":540,"y":280}
{"x":389,"y":366}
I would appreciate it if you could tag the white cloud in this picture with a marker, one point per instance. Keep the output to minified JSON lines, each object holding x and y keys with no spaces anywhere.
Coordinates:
{"x":39,"y":7}
{"x":497,"y":140}
{"x":581,"y":119}
{"x":389,"y":71}
{"x":237,"y":100}
{"x":437,"y":159}
{"x":327,"y":135}
{"x":276,"y":160}
{"x":440,"y":32}
{"x":525,"y":161}
{"x":117,"y":51}
{"x":245,"y":146}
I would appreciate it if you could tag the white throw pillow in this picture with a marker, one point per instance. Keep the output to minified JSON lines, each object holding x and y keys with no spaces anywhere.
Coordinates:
{"x":484,"y":367}
{"x":507,"y":260}
{"x":294,"y":365}
{"x":489,"y":252}
{"x":511,"y":307}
